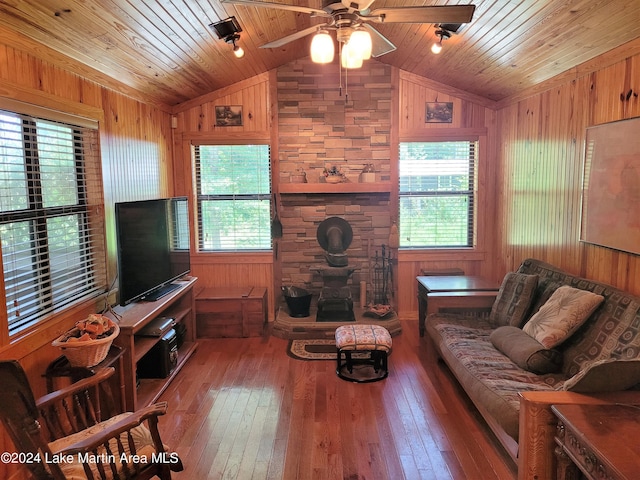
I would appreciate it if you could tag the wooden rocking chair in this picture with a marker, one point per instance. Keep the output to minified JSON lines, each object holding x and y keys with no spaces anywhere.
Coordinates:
{"x":63,"y":435}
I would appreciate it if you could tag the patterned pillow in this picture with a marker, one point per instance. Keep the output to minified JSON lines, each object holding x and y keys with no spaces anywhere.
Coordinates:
{"x":609,"y":375}
{"x":561,"y":315}
{"x":514,"y":299}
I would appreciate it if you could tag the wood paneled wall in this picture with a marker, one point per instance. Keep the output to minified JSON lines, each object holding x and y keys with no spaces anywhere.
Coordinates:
{"x":541,"y":160}
{"x":136,"y":162}
{"x":473,"y":117}
{"x":195,"y":123}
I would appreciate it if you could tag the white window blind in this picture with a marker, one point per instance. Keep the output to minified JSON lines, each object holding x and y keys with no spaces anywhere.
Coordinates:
{"x":51,"y":225}
{"x":233,"y":185}
{"x":437,"y":185}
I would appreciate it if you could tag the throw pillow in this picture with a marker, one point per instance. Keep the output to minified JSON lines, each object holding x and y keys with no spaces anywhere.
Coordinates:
{"x":609,"y":375}
{"x":525,"y":351}
{"x":560,"y":316}
{"x":514,"y":299}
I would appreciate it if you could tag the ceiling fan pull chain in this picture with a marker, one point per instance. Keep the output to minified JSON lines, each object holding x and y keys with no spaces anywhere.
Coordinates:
{"x":346,"y":85}
{"x":340,"y":64}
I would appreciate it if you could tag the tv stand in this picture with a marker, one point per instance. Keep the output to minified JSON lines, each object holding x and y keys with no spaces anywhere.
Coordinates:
{"x":158,"y":293}
{"x":178,"y":304}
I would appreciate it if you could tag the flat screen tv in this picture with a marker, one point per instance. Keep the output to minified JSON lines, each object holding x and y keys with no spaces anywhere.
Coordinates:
{"x":153,"y":247}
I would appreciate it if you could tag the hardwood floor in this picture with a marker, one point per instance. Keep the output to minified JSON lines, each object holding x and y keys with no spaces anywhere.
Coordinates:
{"x":243,"y":409}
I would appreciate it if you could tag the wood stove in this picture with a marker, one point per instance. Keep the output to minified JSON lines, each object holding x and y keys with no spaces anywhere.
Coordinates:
{"x":335,"y":302}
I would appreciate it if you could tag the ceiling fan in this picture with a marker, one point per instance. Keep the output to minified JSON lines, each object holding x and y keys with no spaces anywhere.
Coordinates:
{"x":346,"y":16}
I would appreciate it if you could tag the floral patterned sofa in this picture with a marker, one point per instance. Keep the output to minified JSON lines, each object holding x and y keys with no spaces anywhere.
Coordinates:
{"x":548,"y":331}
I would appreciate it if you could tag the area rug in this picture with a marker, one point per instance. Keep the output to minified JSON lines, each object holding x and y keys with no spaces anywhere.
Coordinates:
{"x":325,"y":349}
{"x":313,"y":349}
{"x":316,"y":349}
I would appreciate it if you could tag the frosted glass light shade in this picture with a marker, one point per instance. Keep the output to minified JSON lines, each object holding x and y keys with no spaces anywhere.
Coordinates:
{"x":436,"y":47}
{"x":350,"y":57}
{"x":322,"y":50}
{"x":238,"y":51}
{"x":361,"y":42}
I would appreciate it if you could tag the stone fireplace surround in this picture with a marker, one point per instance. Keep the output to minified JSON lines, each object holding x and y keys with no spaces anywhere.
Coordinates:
{"x":300,"y":253}
{"x":320,"y":126}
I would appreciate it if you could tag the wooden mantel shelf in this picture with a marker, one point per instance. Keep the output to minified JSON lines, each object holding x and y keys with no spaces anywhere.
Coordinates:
{"x":346,"y":187}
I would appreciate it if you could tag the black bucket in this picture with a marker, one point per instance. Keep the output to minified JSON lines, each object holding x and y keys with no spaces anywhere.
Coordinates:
{"x":298,"y":301}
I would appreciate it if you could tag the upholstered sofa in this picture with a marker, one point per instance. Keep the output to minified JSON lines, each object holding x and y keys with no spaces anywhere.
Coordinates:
{"x":571,"y":343}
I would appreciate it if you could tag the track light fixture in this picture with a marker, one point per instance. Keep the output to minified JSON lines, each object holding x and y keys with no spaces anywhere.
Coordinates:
{"x":229,"y":31}
{"x":237,"y":50}
{"x":436,"y":48}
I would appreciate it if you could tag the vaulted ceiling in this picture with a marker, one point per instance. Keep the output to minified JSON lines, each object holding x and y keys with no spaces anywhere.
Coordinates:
{"x":165,"y":50}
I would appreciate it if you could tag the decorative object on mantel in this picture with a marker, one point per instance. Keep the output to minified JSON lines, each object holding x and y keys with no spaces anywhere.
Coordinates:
{"x":299,"y":176}
{"x":368,"y":174}
{"x":88,"y":343}
{"x":333,"y":175}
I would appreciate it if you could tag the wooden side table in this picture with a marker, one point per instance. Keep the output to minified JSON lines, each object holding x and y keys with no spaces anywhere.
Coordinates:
{"x":60,"y":368}
{"x":601,"y":441}
{"x":456,"y":286}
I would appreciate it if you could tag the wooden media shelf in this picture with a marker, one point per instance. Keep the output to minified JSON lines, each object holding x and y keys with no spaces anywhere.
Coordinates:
{"x":179,"y":305}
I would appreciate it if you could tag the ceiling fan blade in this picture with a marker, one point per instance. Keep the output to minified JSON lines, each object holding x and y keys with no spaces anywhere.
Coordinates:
{"x":358,"y":5}
{"x":433,"y":14}
{"x":292,"y":37}
{"x":281,"y":6}
{"x":379,"y":44}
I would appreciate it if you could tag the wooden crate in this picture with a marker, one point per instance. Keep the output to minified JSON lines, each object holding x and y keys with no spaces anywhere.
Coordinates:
{"x":231,"y":312}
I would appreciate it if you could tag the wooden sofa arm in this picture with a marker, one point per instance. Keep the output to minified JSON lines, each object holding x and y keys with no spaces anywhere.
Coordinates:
{"x":537,"y":427}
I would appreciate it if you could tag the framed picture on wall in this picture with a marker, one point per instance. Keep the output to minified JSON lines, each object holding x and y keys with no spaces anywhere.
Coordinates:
{"x":228,"y":115}
{"x":439,"y":112}
{"x":611,"y":186}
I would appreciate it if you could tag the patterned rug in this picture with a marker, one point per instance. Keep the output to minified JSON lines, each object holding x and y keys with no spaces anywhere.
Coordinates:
{"x":316,"y":349}
{"x":325,"y":349}
{"x":313,"y":349}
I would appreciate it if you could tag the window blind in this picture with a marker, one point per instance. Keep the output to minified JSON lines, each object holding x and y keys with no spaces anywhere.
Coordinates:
{"x":233,"y":185}
{"x":51,"y":225}
{"x":437,"y":194}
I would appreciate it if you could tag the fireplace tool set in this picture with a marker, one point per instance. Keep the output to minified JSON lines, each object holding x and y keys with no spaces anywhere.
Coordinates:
{"x":382,"y":277}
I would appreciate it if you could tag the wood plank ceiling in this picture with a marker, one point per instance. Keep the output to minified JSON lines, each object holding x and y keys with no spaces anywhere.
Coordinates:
{"x":165,"y":50}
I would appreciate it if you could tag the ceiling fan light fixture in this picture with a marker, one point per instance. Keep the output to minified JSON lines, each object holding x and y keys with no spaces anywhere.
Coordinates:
{"x":360,"y":40}
{"x":322,"y":49}
{"x":350,"y":57}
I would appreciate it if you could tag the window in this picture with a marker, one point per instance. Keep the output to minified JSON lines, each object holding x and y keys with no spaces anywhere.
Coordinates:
{"x":437,"y":194}
{"x":233,"y":184}
{"x":53,"y":250}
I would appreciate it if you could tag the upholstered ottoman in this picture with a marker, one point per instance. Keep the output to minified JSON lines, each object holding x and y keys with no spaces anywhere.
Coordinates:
{"x":362,"y":345}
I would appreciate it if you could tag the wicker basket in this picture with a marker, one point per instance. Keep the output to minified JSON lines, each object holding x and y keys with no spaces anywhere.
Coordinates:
{"x":87,"y":353}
